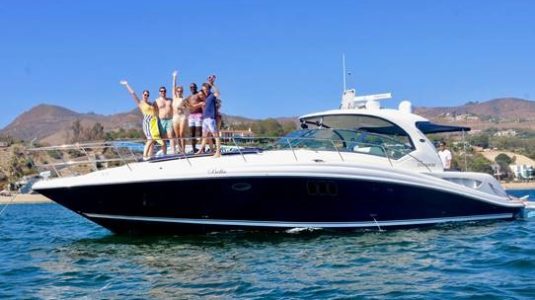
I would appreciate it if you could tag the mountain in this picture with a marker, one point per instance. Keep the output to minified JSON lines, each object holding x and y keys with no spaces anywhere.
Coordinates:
{"x":499,"y":113}
{"x":40,"y":121}
{"x":503,"y":108}
{"x":51,"y":124}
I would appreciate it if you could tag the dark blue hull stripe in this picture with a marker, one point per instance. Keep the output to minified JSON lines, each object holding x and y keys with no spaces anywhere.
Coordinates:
{"x":272,"y":202}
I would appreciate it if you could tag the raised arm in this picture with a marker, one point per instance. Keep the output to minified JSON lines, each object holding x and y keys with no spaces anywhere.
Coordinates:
{"x":130,"y":90}
{"x":175,"y":73}
{"x":211,"y":81}
{"x":216,"y":91}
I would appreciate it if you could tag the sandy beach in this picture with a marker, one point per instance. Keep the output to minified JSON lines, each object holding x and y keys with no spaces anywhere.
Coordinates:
{"x":25,"y":199}
{"x":519,"y":185}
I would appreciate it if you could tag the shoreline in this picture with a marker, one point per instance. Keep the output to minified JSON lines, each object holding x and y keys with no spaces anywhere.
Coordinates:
{"x":24,"y":199}
{"x":518,"y":185}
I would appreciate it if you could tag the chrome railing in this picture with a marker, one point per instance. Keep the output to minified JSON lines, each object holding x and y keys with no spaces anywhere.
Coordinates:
{"x":81,"y":158}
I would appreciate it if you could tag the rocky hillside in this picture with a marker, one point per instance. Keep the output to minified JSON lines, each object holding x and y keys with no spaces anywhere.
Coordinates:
{"x":5,"y":158}
{"x":503,"y":108}
{"x":499,"y":113}
{"x":50,"y":123}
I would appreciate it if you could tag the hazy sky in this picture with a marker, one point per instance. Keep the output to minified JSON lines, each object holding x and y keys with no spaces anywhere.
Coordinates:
{"x":272,"y":58}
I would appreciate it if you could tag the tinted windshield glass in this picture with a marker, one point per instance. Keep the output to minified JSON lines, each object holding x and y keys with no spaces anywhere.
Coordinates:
{"x":345,"y":140}
{"x":363,"y":123}
{"x":355,"y":122}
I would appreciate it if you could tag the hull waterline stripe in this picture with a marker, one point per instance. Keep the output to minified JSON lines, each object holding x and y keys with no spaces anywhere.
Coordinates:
{"x":282,"y":224}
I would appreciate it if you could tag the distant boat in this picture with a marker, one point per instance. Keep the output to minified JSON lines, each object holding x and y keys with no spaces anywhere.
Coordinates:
{"x":25,"y":185}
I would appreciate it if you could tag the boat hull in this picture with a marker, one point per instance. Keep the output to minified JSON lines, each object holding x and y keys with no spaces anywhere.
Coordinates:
{"x":269,"y":202}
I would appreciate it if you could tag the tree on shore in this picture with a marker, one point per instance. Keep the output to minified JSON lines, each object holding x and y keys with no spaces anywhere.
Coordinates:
{"x":79,"y":133}
{"x":267,"y":127}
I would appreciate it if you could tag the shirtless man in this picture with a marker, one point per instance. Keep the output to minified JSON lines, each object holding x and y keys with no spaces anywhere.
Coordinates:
{"x":209,"y":122}
{"x":195,"y":103}
{"x":165,"y":117}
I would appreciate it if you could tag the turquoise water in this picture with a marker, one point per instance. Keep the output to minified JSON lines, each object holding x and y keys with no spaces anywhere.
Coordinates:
{"x":47,"y":252}
{"x":521,"y":193}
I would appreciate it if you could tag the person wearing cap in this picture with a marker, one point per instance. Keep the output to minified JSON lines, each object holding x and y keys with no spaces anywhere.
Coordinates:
{"x":445,"y":156}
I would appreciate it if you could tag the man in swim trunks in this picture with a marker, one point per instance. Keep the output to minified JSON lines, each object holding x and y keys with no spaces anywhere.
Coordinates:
{"x":165,"y":118}
{"x":209,"y":123}
{"x":195,"y":104}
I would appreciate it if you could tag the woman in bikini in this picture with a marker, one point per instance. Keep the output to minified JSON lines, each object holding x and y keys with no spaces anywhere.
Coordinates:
{"x":180,"y":114}
{"x":150,"y":120}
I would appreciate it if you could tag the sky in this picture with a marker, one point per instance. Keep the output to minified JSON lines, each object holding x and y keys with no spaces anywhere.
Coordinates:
{"x":272,"y":58}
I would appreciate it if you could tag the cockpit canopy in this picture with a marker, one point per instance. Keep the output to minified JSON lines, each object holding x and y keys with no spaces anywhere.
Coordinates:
{"x":346,"y":140}
{"x":428,"y":127}
{"x":355,"y":122}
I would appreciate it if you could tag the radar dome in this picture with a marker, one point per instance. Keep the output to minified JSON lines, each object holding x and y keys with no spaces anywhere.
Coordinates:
{"x":405,"y":106}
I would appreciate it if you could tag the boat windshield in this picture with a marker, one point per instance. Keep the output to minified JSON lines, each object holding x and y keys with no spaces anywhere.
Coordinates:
{"x":346,"y":140}
{"x":356,"y":122}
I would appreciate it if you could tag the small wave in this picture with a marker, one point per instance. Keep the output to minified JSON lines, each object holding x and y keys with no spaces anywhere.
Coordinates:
{"x":302,"y":229}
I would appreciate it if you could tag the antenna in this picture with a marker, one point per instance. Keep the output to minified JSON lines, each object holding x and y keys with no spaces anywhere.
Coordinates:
{"x":350,"y":99}
{"x":344,"y":71}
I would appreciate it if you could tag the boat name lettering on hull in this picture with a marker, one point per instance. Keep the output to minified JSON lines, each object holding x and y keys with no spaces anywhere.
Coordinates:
{"x":217,"y":171}
{"x":426,"y":164}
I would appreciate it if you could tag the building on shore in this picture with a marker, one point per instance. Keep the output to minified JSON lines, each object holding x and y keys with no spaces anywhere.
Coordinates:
{"x":523,"y":172}
{"x":229,"y":134}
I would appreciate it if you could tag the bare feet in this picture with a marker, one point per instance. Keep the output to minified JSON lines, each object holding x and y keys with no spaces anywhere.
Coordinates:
{"x":217,"y":154}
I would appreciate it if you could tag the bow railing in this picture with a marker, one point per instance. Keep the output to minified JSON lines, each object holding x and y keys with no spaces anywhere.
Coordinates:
{"x":81,"y":158}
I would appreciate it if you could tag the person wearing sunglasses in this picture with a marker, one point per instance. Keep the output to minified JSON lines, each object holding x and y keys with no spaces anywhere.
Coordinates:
{"x":150,"y":120}
{"x":165,"y":118}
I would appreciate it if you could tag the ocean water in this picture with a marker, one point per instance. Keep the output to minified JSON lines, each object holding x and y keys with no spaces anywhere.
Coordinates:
{"x":47,"y":252}
{"x":522,"y":193}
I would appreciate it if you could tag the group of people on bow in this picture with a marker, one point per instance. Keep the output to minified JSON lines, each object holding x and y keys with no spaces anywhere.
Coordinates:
{"x":166,"y":118}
